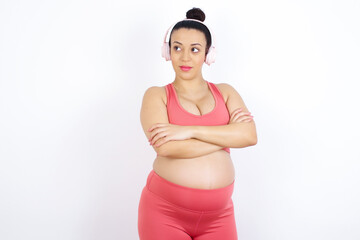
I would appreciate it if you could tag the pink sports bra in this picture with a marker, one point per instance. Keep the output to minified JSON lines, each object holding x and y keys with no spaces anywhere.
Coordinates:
{"x":179,"y":116}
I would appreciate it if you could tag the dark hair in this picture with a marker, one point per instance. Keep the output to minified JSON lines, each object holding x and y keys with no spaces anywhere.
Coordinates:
{"x":197,"y":14}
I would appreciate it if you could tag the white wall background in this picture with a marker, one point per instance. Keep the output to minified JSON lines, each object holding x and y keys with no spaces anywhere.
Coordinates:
{"x":74,"y":159}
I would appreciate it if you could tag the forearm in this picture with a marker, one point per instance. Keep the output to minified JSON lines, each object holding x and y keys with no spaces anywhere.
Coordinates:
{"x":234,"y":135}
{"x":189,"y":148}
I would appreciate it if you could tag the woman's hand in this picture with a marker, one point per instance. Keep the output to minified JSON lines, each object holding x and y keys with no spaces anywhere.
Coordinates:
{"x":239,"y":116}
{"x":164,"y":132}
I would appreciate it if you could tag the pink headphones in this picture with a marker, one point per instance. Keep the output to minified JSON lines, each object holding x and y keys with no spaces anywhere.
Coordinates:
{"x":210,"y":57}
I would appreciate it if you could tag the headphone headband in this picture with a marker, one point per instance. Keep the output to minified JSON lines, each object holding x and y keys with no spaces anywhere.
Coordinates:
{"x":186,"y":19}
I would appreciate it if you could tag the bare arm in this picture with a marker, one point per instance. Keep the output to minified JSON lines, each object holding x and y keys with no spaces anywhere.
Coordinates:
{"x":153,"y":110}
{"x":189,"y":148}
{"x":235,"y":135}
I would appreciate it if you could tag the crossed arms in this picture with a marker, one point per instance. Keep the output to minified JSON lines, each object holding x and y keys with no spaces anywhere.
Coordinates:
{"x":176,"y":141}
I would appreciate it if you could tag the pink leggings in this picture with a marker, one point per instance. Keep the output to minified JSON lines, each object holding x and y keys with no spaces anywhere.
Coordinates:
{"x":168,"y":211}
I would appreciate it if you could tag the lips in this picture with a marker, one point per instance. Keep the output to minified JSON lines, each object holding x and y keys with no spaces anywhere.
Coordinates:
{"x":185,"y":68}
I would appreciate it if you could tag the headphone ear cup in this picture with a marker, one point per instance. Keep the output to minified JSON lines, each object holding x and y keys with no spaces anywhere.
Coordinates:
{"x":165,"y":51}
{"x":210,"y":57}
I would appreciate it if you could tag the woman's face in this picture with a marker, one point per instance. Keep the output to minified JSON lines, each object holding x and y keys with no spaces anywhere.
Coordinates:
{"x":187,"y":52}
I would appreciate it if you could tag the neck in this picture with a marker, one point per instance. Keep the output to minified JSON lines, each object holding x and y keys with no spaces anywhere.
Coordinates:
{"x":189,"y":85}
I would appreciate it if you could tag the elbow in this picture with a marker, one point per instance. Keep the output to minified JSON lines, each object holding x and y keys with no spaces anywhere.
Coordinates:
{"x":246,"y":137}
{"x":161,"y":151}
{"x":247,"y":141}
{"x":167,"y":150}
{"x":164,"y":151}
{"x":253,"y":140}
{"x":252,"y":137}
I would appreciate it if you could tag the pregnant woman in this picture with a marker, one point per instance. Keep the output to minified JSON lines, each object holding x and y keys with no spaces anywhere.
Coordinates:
{"x":191,"y":123}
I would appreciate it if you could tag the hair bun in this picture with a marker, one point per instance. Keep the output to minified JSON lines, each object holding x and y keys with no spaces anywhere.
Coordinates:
{"x":195,"y":13}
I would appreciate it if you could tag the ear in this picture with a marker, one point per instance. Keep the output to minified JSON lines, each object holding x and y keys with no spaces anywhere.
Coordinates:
{"x":165,"y":51}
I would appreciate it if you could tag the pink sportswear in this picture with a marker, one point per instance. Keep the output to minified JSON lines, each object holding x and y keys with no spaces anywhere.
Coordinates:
{"x":179,"y":116}
{"x":168,"y":211}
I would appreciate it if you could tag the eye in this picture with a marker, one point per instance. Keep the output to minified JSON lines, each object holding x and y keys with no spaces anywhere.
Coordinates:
{"x":195,"y":50}
{"x":177,"y":48}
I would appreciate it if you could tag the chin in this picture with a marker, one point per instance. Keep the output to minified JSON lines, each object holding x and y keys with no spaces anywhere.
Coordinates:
{"x":186,"y":76}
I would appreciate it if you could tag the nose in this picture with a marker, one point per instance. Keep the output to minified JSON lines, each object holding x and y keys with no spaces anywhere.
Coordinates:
{"x":185,"y":56}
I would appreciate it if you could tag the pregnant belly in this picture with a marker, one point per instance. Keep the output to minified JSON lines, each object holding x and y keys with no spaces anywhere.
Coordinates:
{"x":211,"y":171}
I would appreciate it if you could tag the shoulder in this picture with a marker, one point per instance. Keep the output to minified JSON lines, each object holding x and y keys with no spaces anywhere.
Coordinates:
{"x":226,"y":90}
{"x":155,"y":93}
{"x":225,"y":87}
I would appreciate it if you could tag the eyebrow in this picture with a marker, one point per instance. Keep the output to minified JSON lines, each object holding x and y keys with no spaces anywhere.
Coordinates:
{"x":193,"y":44}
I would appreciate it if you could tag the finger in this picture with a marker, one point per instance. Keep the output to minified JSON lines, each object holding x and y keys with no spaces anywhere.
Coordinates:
{"x":162,"y":141}
{"x":156,"y":125}
{"x":157,"y":130}
{"x":236,"y":111}
{"x":154,"y":136}
{"x":240,"y":115}
{"x":152,"y":127}
{"x":158,"y":136}
{"x":243,"y":118}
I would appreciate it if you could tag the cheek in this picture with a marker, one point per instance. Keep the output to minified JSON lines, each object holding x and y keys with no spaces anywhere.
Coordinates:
{"x":200,"y":59}
{"x":174,"y":56}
